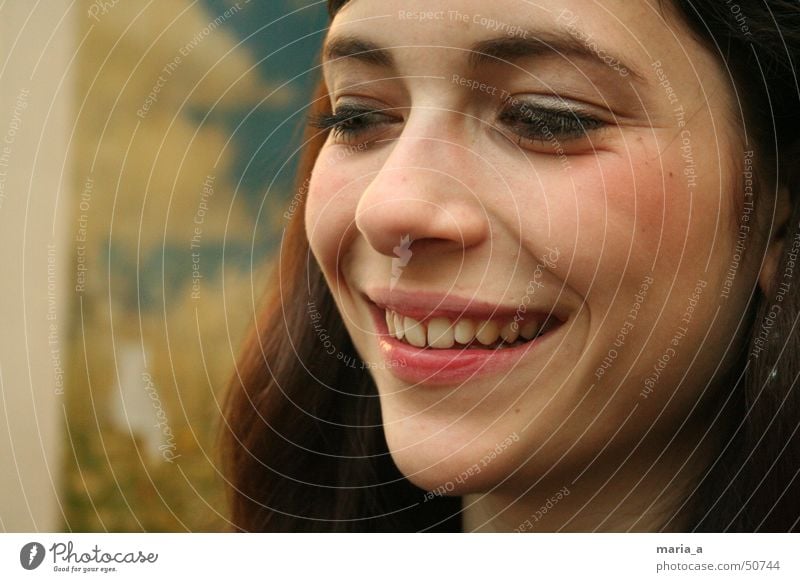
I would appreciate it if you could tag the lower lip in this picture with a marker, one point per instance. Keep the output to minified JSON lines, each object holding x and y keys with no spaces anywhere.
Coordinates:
{"x":446,"y":366}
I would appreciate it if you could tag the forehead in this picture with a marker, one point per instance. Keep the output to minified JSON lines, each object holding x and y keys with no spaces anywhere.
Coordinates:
{"x":647,"y":35}
{"x":637,"y":23}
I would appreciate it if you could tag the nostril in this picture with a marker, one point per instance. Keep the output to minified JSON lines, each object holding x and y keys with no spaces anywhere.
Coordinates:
{"x":431,"y":245}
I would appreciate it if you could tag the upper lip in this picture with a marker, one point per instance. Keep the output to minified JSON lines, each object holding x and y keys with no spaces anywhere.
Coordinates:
{"x":423,"y":305}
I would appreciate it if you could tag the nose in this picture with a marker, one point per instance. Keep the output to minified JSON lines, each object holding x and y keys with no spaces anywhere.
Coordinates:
{"x":422,"y":193}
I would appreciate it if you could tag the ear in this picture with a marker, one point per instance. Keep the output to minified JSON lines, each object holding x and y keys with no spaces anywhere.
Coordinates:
{"x":772,"y":259}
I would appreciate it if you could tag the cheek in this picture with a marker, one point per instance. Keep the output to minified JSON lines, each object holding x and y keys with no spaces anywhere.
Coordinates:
{"x":610,"y":216}
{"x":330,"y":211}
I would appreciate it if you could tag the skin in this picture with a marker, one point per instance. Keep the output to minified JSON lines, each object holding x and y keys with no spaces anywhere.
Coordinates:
{"x":484,"y":209}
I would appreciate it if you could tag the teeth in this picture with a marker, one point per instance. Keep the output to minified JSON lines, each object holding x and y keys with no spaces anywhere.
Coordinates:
{"x":465,"y":331}
{"x":398,"y":326}
{"x":415,"y":332}
{"x":390,"y":323}
{"x":487,"y":333}
{"x":442,"y":333}
{"x":529,"y":330}
{"x":509,"y":332}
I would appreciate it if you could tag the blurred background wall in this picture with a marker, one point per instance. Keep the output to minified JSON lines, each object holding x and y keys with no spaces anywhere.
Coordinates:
{"x":36,"y":94}
{"x":147,"y":192}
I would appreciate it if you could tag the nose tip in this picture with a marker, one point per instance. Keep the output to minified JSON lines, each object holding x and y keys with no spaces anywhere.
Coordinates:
{"x":392,"y":223}
{"x":401,"y":207}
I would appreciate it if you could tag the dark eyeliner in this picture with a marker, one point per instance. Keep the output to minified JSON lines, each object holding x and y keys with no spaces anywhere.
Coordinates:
{"x":346,"y":121}
{"x":538,"y":123}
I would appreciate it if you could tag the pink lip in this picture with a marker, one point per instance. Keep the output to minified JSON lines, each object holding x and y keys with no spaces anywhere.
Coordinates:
{"x":437,"y":367}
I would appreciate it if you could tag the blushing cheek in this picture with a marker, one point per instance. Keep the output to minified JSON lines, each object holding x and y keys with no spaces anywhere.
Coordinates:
{"x":330,"y":211}
{"x":608,"y":220}
{"x":649,"y":209}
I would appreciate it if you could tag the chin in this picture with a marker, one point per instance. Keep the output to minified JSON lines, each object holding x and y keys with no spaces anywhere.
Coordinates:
{"x":454,"y":476}
{"x":431,"y":457}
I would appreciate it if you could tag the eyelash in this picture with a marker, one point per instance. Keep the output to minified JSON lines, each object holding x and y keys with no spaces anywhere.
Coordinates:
{"x":533,"y":122}
{"x":344,"y":122}
{"x":536,"y":121}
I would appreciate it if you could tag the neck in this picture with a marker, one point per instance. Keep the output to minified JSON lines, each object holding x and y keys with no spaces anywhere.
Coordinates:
{"x":641,"y":489}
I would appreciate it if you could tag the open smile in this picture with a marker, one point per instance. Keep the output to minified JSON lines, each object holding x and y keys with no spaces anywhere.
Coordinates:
{"x":438,"y":340}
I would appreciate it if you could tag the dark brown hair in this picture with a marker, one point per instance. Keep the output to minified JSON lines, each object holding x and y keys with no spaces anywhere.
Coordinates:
{"x":303,"y":445}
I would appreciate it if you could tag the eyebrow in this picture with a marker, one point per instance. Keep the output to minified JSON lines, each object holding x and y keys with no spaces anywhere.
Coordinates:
{"x":501,"y":49}
{"x":365,"y":51}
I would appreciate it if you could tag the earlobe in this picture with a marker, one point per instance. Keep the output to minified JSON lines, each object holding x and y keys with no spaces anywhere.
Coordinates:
{"x":780,"y":228}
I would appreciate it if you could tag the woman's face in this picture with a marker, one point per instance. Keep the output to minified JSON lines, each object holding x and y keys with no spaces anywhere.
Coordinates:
{"x":544,"y":199}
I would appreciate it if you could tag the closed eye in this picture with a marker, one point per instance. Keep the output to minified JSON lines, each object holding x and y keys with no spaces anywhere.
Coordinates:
{"x":349,"y":123}
{"x":553,"y":124}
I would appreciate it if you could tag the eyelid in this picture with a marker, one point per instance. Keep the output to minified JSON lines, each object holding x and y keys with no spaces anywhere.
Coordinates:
{"x":549,"y":122}
{"x":358,"y":109}
{"x":560,"y":104}
{"x":340,"y":122}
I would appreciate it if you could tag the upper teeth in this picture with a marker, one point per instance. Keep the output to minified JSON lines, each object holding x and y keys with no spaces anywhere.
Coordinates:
{"x":441,"y":332}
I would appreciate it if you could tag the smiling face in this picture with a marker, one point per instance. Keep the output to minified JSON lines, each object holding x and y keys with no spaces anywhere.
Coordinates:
{"x":523,"y":217}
